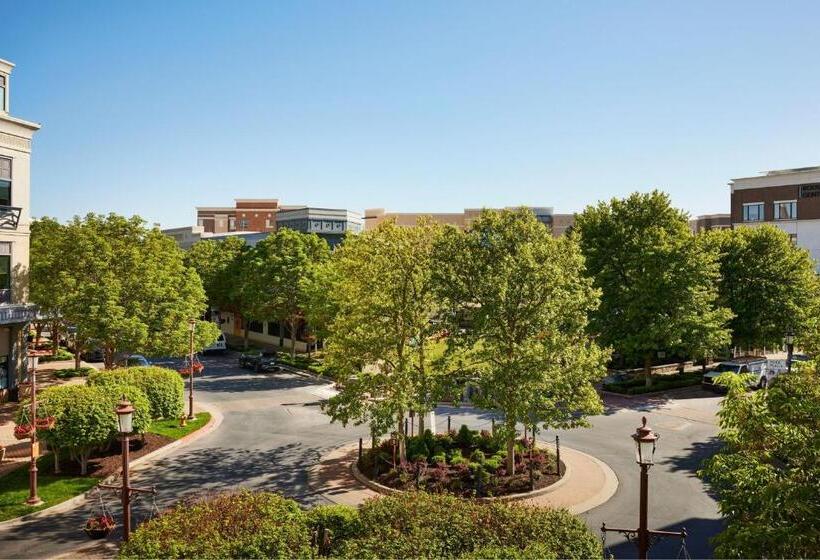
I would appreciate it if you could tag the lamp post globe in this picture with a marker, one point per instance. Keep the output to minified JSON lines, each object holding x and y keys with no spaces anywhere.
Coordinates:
{"x":125,"y":416}
{"x":645,"y":441}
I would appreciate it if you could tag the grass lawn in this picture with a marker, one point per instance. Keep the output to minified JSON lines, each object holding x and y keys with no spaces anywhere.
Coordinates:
{"x":171,"y":428}
{"x":52,"y":489}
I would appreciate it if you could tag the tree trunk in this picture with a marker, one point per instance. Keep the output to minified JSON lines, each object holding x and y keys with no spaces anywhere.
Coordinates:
{"x":108,"y":357}
{"x":511,"y":451}
{"x":292,"y":339}
{"x":245,"y":333}
{"x":55,"y":337}
{"x":38,"y":332}
{"x":56,"y":453}
{"x":281,"y":334}
{"x":84,"y":463}
{"x":78,"y":352}
{"x":401,"y":435}
{"x":647,"y":369}
{"x":421,"y":423}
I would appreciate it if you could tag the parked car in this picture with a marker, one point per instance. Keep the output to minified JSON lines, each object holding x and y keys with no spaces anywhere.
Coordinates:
{"x":219,"y":345}
{"x":93,"y":355}
{"x":260,"y":361}
{"x":755,"y":365}
{"x":133,"y":360}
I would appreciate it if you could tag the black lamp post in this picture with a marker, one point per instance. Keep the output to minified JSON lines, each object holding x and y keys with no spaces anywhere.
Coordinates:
{"x":645,"y":443}
{"x":125,"y":420}
{"x":33,"y":498}
{"x":789,"y":338}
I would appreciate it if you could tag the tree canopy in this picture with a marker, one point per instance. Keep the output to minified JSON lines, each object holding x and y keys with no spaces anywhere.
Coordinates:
{"x":378,"y":315}
{"x":516,"y":302}
{"x":768,"y":282}
{"x":218,"y":266}
{"x":767,"y":476}
{"x":659,"y":288}
{"x":124,"y":287}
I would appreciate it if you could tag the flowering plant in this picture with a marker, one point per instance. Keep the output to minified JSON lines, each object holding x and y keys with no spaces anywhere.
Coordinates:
{"x":100,"y":523}
{"x":23,"y":431}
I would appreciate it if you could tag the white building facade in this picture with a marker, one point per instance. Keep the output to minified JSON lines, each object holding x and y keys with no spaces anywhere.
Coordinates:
{"x":15,"y":218}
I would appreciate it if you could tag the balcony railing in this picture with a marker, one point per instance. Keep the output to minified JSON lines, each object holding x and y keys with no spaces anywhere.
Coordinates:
{"x":9,"y":217}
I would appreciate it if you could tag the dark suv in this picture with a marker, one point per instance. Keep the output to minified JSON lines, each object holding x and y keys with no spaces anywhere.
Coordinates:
{"x":260,"y":361}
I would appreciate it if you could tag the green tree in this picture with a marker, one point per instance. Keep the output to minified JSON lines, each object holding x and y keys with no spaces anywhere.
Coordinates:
{"x":279,"y":268}
{"x":768,"y":282}
{"x":218,"y":265}
{"x":524,"y":300}
{"x":767,"y":476}
{"x":379,"y":287}
{"x":658,"y":284}
{"x":47,"y":243}
{"x":125,"y":288}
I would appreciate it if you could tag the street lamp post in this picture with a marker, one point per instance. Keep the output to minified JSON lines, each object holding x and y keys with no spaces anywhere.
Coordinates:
{"x":645,"y":441}
{"x":33,"y":498}
{"x":191,"y":328}
{"x":789,"y":349}
{"x":125,"y":424}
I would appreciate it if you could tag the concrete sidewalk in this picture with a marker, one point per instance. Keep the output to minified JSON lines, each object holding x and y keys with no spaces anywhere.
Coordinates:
{"x":587,"y":483}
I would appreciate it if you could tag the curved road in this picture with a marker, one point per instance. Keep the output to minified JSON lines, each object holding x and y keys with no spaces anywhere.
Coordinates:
{"x":273,"y":431}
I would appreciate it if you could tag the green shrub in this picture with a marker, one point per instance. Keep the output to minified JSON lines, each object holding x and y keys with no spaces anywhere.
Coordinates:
{"x":243,"y":525}
{"x":418,"y":525}
{"x":84,"y":419}
{"x":68,"y":373}
{"x":637,"y":385}
{"x":465,"y":436}
{"x":440,"y":459}
{"x":493,"y":463}
{"x":163,"y":387}
{"x":477,"y":456}
{"x":459,"y":460}
{"x":62,"y":354}
{"x":342,"y":521}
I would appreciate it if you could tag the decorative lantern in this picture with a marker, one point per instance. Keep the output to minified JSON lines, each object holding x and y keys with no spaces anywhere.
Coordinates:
{"x":125,"y":416}
{"x":645,"y":440}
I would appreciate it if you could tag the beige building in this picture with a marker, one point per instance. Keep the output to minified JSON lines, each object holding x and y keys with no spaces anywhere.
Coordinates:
{"x":15,"y":217}
{"x":708,"y":222}
{"x":558,"y":223}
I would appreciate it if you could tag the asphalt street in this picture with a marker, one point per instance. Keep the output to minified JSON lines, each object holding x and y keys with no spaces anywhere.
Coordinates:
{"x":273,"y":431}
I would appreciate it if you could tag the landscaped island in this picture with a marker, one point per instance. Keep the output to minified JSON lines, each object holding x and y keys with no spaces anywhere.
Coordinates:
{"x":466,"y":463}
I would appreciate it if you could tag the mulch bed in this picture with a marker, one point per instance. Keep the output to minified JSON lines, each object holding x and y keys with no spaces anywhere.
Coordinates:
{"x":109,"y":461}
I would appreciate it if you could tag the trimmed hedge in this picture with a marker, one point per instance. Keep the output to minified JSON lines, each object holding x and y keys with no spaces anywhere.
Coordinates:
{"x":163,"y":387}
{"x":263,"y":525}
{"x":637,"y":386}
{"x":84,"y":418}
{"x":68,"y":373}
{"x":62,"y":354}
{"x":244,"y":525}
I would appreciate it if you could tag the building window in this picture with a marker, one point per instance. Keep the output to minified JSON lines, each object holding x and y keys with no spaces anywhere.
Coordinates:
{"x":5,"y":181}
{"x":2,"y":92}
{"x":785,"y":210}
{"x":753,"y":212}
{"x":255,"y":326}
{"x":231,"y":224}
{"x":243,"y":225}
{"x":793,"y":238}
{"x":810,"y":191}
{"x":5,"y":272}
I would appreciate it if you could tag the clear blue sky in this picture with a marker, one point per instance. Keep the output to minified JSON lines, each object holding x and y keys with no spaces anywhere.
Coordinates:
{"x":156,"y":107}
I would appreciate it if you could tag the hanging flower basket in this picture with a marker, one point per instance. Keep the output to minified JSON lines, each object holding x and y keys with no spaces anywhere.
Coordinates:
{"x":23,"y":431}
{"x":184,"y":371}
{"x":198,"y":367}
{"x":99,"y":527}
{"x":45,"y":423}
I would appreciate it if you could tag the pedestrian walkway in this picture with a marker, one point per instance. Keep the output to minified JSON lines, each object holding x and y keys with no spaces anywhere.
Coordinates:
{"x":587,"y":482}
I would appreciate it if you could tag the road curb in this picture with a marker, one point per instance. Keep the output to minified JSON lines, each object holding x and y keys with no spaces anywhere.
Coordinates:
{"x":71,"y":503}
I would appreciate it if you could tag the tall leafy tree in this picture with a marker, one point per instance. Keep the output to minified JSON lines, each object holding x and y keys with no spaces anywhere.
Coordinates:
{"x":658,"y":284}
{"x":218,"y":266}
{"x":277,"y":270}
{"x":125,"y":288}
{"x":378,"y":315}
{"x":47,"y":243}
{"x":767,"y":475}
{"x":769,"y":283}
{"x":523,"y":300}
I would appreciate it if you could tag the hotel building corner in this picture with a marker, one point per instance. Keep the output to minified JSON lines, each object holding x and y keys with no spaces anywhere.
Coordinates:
{"x":15,"y":217}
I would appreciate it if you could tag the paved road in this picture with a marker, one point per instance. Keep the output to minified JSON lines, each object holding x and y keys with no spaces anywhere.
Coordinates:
{"x":273,"y":431}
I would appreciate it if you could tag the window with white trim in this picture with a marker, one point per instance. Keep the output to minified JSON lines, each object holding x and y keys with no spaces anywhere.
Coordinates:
{"x":753,"y":212}
{"x":3,"y":90}
{"x":5,"y":181}
{"x":785,"y":210}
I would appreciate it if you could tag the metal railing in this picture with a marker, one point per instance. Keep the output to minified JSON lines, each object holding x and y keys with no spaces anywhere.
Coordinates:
{"x":9,"y":217}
